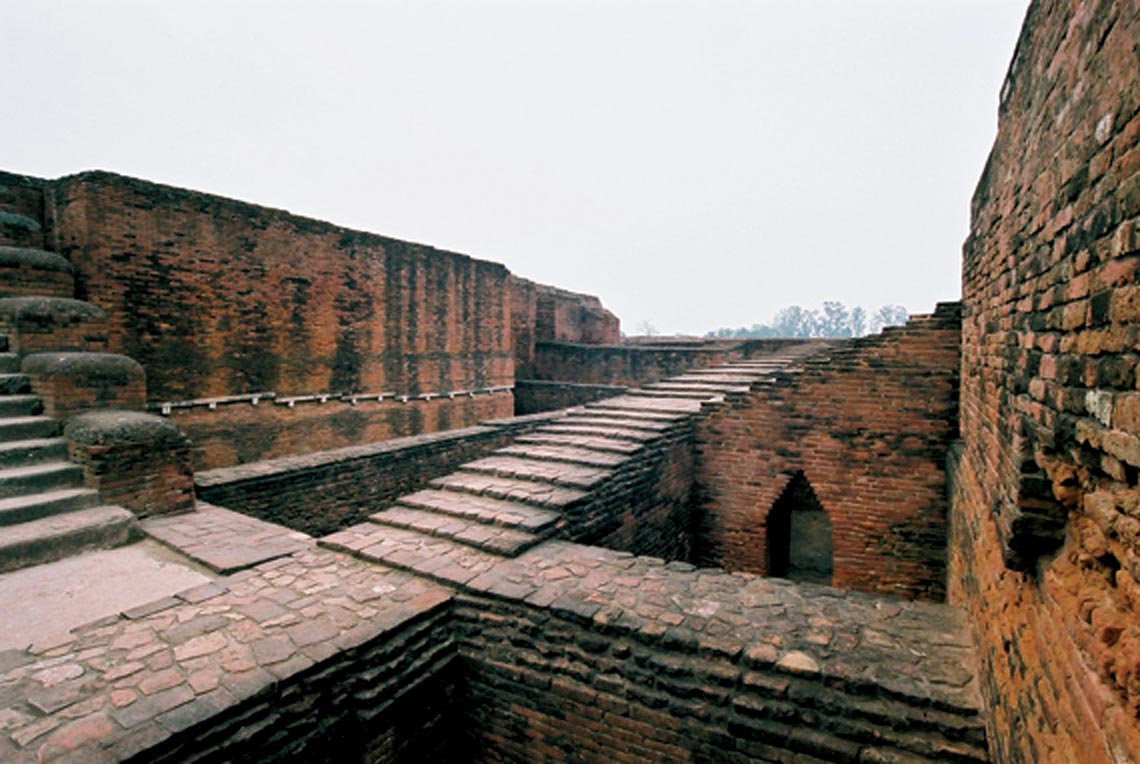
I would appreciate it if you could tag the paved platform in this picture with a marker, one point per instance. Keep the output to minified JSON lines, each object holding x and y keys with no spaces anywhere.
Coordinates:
{"x":46,"y":601}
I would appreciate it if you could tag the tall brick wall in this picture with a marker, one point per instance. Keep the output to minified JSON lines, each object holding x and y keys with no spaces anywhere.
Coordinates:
{"x":868,"y":424}
{"x":1045,"y":551}
{"x":541,"y":313}
{"x":217,"y":297}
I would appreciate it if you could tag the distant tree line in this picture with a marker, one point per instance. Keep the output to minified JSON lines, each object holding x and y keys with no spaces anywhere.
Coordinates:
{"x":832,"y":320}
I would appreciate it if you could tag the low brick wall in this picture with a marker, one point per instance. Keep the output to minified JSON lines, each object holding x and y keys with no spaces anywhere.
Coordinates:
{"x":635,"y":364}
{"x":321,"y":492}
{"x":534,"y":396}
{"x":240,"y":433}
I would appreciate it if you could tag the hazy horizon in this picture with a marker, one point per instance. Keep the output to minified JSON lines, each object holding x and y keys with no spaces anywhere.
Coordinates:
{"x":696,"y":166}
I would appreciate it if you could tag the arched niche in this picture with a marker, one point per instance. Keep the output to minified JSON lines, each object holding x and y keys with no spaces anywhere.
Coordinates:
{"x":801,"y":544}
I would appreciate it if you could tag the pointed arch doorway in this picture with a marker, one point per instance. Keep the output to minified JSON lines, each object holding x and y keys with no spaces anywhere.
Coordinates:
{"x":801,"y":544}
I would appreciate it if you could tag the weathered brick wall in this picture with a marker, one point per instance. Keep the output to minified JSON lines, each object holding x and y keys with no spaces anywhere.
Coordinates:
{"x":533,"y":396}
{"x":240,"y":433}
{"x":21,"y":210}
{"x":218,"y":297}
{"x":319,"y":493}
{"x":541,"y":313}
{"x":1045,"y":523}
{"x":868,"y":424}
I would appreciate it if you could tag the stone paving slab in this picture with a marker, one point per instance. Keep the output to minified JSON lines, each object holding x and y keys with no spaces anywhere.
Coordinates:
{"x":542,"y":495}
{"x":225,"y":541}
{"x":591,"y":442}
{"x":483,"y":509}
{"x":662,"y":417}
{"x":696,"y":387}
{"x":124,"y":684}
{"x":559,"y":473}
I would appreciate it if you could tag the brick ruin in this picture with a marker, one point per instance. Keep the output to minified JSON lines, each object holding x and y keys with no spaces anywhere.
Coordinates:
{"x":449,"y":516}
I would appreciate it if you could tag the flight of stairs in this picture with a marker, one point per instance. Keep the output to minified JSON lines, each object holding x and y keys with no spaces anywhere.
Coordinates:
{"x":501,"y":505}
{"x":46,"y":513}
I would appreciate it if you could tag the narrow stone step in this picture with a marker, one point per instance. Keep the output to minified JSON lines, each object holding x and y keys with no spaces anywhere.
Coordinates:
{"x":59,"y":536}
{"x":542,"y":495}
{"x":617,"y":420}
{"x":558,"y":473}
{"x":34,"y":451}
{"x":715,"y":379}
{"x":567,"y":454}
{"x":22,"y":509}
{"x":25,"y":427}
{"x":441,"y":559}
{"x":592,"y":442}
{"x":39,"y":478}
{"x":600,"y":431}
{"x":481,"y":509}
{"x":14,"y":384}
{"x":697,"y":387}
{"x":20,"y":405}
{"x":645,"y":403}
{"x":675,"y":394}
{"x":9,"y":363}
{"x":665,"y":417}
{"x":508,"y":542}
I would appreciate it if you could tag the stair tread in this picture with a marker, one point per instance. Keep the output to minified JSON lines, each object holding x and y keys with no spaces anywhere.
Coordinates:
{"x":31,"y":443}
{"x":52,"y":538}
{"x":592,"y":442}
{"x":616,"y":420}
{"x":442,"y":559}
{"x":529,"y":491}
{"x":491,"y":538}
{"x":559,"y":473}
{"x":570,"y":454}
{"x":616,"y":433}
{"x":41,"y":468}
{"x":482,"y":508}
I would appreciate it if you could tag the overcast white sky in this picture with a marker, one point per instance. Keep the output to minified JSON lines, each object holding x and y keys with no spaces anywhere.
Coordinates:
{"x":695,"y":164}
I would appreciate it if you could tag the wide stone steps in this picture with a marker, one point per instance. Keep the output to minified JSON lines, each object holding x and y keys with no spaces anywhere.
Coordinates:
{"x":58,"y":536}
{"x":649,"y":404}
{"x":557,"y":473}
{"x":511,"y":514}
{"x":542,"y":495}
{"x":591,"y":410}
{"x":22,"y":509}
{"x":708,"y":388}
{"x":9,"y":363}
{"x":676,"y":394}
{"x":32,"y":451}
{"x":23,"y":428}
{"x":564,"y":454}
{"x":39,"y":478}
{"x":441,"y":559}
{"x":489,"y":538}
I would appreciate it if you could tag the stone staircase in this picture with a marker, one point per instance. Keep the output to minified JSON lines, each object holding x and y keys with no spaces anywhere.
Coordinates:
{"x":524,"y":493}
{"x":46,"y":513}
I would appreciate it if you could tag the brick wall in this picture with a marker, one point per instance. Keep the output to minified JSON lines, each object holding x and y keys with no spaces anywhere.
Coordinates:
{"x":541,"y":313}
{"x":533,"y":396}
{"x":868,"y":424}
{"x":1045,"y":520}
{"x":218,"y":297}
{"x":240,"y":433}
{"x":319,"y":493}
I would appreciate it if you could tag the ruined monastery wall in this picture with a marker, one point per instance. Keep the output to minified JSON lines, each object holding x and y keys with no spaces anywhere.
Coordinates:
{"x":1046,"y":510}
{"x":541,"y":313}
{"x":868,"y":423}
